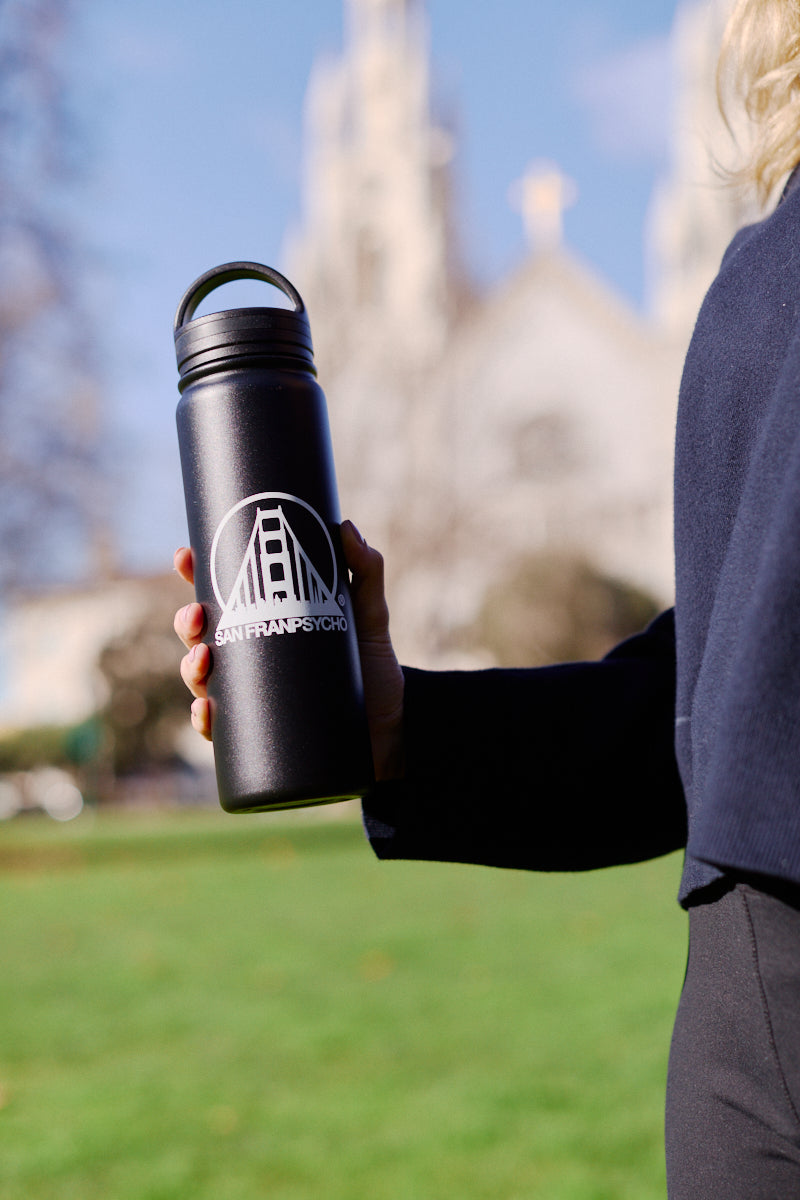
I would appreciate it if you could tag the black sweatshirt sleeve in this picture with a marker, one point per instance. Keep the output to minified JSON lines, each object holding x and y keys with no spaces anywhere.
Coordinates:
{"x":568,"y":767}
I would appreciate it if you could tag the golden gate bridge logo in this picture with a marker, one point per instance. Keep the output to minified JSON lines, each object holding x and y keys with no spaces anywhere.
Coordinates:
{"x":287,"y":578}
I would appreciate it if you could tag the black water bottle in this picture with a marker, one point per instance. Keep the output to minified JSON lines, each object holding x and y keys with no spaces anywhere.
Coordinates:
{"x":262,"y":506}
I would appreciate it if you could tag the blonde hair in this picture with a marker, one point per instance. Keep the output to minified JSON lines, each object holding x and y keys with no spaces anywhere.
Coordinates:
{"x":759,"y":71}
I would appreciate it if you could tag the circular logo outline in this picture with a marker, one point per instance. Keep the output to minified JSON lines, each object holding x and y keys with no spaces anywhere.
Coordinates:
{"x":212,"y":558}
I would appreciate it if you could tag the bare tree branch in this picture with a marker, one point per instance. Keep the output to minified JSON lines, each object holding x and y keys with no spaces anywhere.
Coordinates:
{"x":48,"y":389}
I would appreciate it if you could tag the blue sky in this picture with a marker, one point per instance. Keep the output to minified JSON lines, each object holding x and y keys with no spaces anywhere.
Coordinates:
{"x":193,"y":114}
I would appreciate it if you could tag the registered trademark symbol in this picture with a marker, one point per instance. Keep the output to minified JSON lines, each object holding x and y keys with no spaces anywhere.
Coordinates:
{"x":340,"y":600}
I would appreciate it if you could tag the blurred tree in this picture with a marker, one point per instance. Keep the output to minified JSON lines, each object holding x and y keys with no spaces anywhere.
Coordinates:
{"x":50,"y":511}
{"x":557,"y":608}
{"x":148,"y":705}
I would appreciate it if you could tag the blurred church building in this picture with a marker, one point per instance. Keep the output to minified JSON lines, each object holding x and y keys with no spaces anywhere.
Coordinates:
{"x":474,"y":428}
{"x":477,"y":427}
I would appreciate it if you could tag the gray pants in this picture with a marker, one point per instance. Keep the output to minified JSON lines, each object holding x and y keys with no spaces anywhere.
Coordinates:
{"x":733,"y":1091}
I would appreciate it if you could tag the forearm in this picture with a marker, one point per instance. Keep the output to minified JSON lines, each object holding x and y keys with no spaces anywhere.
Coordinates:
{"x":559,"y":768}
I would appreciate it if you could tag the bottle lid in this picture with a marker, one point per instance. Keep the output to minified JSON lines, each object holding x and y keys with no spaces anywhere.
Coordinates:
{"x":238,"y":332}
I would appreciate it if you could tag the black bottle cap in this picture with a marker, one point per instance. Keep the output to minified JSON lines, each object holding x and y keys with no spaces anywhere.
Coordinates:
{"x":241,"y":332}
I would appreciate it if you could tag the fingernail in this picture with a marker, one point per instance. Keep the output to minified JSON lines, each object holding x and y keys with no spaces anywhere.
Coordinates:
{"x":185,"y":614}
{"x":357,"y":533}
{"x":193,"y":654}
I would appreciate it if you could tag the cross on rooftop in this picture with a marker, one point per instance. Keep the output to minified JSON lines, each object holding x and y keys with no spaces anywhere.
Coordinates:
{"x":542,"y":195}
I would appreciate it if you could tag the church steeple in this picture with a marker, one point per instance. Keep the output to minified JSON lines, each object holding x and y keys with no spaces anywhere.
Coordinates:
{"x":693,"y":213}
{"x":386,"y":20}
{"x":374,"y":258}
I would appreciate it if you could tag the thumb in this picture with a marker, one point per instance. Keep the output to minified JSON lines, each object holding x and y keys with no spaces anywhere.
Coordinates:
{"x":367,"y":587}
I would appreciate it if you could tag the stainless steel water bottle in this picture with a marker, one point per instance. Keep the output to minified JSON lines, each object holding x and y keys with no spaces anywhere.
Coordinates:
{"x":263,"y":513}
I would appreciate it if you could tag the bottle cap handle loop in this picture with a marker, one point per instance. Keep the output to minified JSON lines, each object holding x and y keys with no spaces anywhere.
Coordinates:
{"x":227,"y":273}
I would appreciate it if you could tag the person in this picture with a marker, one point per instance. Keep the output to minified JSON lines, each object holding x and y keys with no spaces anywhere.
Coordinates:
{"x":688,"y":734}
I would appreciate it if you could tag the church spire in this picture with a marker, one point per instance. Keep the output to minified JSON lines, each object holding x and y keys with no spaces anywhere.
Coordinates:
{"x":385,"y":20}
{"x":374,"y":260}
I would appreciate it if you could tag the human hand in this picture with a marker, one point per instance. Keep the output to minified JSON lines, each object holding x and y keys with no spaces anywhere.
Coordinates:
{"x":382,"y":676}
{"x":383,"y":679}
{"x":190,"y":624}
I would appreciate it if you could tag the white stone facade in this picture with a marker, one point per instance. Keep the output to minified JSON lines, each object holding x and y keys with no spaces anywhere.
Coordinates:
{"x":471,"y":429}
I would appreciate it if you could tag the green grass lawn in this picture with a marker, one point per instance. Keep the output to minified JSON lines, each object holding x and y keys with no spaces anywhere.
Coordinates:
{"x":202,"y":1007}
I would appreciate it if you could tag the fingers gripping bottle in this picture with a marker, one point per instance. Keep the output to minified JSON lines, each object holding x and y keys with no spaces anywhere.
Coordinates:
{"x":261,"y":500}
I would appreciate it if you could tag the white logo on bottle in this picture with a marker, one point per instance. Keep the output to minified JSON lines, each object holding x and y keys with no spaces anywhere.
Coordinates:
{"x":287,"y":578}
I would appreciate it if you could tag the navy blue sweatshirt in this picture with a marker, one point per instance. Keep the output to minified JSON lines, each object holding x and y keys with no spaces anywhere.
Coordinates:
{"x":693,"y":727}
